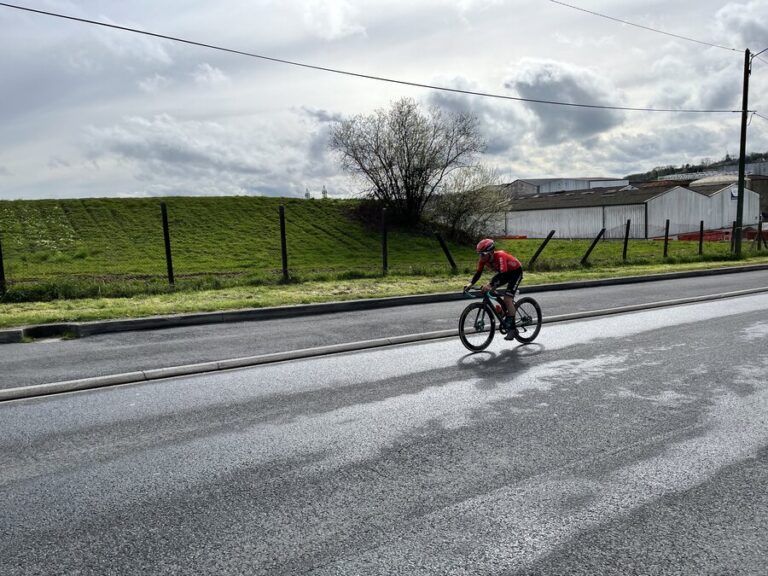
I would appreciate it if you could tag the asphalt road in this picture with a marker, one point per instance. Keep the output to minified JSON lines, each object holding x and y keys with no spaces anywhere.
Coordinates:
{"x":56,"y":360}
{"x":627,"y":444}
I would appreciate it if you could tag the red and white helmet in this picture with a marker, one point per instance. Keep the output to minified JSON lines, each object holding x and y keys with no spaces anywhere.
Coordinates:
{"x":485,"y":246}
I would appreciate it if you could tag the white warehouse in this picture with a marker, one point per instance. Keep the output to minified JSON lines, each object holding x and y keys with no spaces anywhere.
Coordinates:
{"x":583,"y":213}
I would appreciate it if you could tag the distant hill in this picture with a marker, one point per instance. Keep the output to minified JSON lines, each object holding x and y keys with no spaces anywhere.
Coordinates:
{"x":727,"y":162}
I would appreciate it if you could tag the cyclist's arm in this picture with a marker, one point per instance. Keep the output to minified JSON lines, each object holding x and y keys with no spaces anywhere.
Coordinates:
{"x":476,"y":277}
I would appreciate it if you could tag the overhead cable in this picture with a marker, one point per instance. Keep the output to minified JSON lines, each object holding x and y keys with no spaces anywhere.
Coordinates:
{"x":358,"y":74}
{"x":645,"y":27}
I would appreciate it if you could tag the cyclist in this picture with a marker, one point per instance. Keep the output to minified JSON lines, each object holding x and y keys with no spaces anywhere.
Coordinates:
{"x":509,"y":271}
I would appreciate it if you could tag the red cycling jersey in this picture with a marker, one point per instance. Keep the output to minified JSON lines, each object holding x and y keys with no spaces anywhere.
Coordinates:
{"x":500,"y":262}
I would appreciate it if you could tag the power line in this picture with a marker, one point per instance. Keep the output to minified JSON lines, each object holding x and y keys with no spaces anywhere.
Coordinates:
{"x":645,"y":27}
{"x":357,"y":74}
{"x":763,"y":60}
{"x":760,"y":116}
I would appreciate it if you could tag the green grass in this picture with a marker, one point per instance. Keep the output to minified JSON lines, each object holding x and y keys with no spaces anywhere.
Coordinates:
{"x":114,"y":247}
{"x":29,"y":313}
{"x":88,"y":259}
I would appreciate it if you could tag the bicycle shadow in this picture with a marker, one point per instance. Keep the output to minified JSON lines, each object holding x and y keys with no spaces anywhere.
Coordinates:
{"x":490,"y":366}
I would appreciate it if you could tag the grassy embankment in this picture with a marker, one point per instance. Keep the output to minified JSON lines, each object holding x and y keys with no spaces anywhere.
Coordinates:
{"x":94,"y":259}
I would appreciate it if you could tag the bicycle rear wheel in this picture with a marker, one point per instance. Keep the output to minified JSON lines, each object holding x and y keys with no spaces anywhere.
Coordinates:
{"x":477,"y":326}
{"x":527,"y":320}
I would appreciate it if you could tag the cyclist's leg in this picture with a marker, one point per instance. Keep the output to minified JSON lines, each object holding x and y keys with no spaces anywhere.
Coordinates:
{"x":516,"y":276}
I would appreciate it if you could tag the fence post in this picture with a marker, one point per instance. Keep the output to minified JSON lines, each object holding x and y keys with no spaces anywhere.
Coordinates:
{"x":540,"y":249}
{"x":167,"y":238}
{"x":666,"y":238}
{"x":447,"y":252}
{"x":3,"y":286}
{"x":283,"y":243}
{"x":626,"y":240}
{"x":594,"y":243}
{"x":384,"y":241}
{"x":701,"y":237}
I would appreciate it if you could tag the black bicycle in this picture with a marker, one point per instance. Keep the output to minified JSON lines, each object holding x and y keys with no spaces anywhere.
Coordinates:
{"x":477,"y":323}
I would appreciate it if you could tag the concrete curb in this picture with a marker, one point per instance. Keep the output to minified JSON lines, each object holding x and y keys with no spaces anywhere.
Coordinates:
{"x":84,"y":329}
{"x":192,"y":369}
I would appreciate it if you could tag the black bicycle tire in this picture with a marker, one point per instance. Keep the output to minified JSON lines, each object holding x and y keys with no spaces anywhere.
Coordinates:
{"x":469,"y":346}
{"x":528,"y":338}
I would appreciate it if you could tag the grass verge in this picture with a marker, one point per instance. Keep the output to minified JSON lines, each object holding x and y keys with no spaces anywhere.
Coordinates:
{"x":239,"y":297}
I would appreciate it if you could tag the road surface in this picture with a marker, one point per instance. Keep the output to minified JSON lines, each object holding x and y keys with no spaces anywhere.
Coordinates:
{"x":56,"y":360}
{"x":627,"y":444}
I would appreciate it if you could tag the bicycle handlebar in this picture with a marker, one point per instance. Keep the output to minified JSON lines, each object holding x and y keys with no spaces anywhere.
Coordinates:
{"x":478,"y":293}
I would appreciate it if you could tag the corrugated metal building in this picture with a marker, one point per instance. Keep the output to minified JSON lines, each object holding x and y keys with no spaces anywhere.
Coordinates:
{"x":583,"y":213}
{"x":532,"y":186}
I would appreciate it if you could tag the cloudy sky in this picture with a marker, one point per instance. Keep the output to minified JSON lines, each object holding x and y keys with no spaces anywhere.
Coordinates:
{"x":91,"y":111}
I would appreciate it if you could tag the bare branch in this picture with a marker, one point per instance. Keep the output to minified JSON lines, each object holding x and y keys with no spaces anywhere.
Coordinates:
{"x":405,"y":153}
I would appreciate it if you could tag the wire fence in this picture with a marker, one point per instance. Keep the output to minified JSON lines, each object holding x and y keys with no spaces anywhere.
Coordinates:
{"x":97,"y":248}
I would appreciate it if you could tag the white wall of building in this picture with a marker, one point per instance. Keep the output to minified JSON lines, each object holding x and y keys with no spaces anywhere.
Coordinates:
{"x":567,"y":222}
{"x":615,"y":221}
{"x":684,"y":208}
{"x":724,"y":205}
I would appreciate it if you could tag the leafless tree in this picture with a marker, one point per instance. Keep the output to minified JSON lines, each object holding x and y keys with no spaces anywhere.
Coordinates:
{"x":471,"y":204}
{"x":405,"y":154}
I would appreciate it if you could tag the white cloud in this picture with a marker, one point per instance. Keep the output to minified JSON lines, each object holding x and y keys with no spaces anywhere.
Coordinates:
{"x":207,"y":75}
{"x":154,"y":83}
{"x":164,"y":116}
{"x":332,"y":19}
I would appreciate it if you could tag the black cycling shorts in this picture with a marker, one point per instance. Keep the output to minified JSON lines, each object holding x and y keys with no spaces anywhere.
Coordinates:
{"x":512,"y":279}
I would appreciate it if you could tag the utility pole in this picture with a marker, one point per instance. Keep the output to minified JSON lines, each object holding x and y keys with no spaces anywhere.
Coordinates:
{"x":742,"y":153}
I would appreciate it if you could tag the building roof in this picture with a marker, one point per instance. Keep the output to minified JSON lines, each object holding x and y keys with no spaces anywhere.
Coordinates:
{"x":540,"y":181}
{"x":722,"y":178}
{"x":616,"y":196}
{"x":591,"y":197}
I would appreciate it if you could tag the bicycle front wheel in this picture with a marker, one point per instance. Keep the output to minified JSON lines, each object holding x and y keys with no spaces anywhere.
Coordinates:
{"x":527,"y":320}
{"x":477,"y":325}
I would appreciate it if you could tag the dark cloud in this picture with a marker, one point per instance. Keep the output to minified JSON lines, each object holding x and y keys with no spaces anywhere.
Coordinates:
{"x":554,"y":81}
{"x":501,"y":122}
{"x":681,"y":142}
{"x":323,"y":116}
{"x":57,"y":162}
{"x":173,"y":147}
{"x":744,"y":25}
{"x":320,"y":162}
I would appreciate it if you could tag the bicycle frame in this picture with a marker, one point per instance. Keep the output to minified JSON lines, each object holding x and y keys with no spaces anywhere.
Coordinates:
{"x":492,"y":299}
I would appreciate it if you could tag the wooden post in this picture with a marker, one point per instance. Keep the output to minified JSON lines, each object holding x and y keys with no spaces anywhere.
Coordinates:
{"x":384,"y":241}
{"x":167,"y":238}
{"x":733,"y":237}
{"x":594,"y":243}
{"x":701,"y":237}
{"x":540,"y":249}
{"x":666,"y":238}
{"x":626,"y":240}
{"x":283,"y":244}
{"x":3,"y":286}
{"x":447,"y":252}
{"x":759,"y":239}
